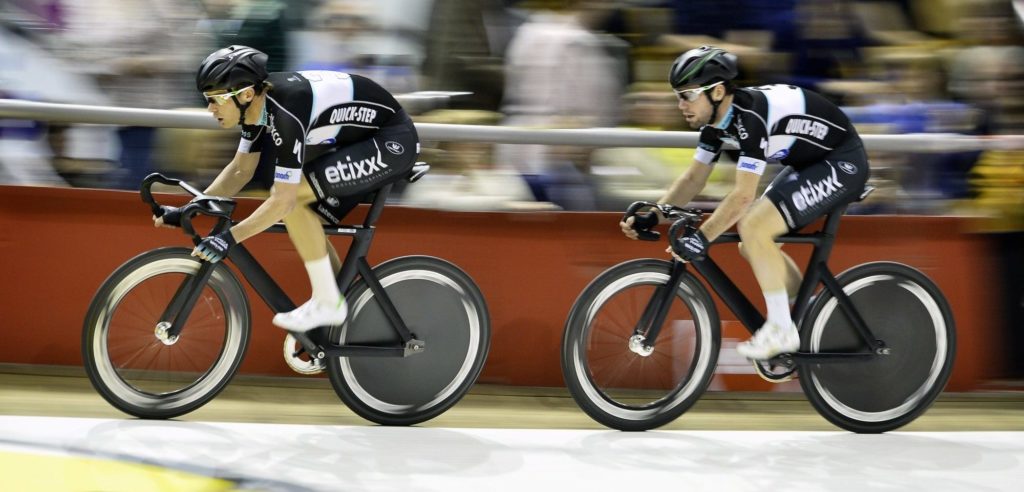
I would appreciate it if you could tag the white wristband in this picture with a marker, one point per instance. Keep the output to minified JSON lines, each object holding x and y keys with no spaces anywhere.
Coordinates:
{"x":704,"y":156}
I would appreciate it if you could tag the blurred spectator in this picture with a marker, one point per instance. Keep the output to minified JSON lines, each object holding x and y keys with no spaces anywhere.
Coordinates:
{"x":559,"y":74}
{"x":378,"y":39}
{"x":143,"y":54}
{"x":462,"y":176}
{"x":826,"y":42}
{"x":257,"y":23}
{"x":989,"y":77}
{"x":465,"y":48}
{"x":33,"y":153}
{"x":335,"y":39}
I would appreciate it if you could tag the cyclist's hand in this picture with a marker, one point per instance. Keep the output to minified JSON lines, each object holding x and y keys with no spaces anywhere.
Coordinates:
{"x":638,"y":222}
{"x":170,"y":218}
{"x":693,"y":246}
{"x":627,"y":227}
{"x":215,"y":248}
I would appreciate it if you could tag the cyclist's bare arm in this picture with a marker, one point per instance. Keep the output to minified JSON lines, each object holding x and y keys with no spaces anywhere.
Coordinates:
{"x":687,"y":185}
{"x":283,"y":197}
{"x":230,"y":181}
{"x":683,"y":189}
{"x":733,"y":206}
{"x":235,"y":175}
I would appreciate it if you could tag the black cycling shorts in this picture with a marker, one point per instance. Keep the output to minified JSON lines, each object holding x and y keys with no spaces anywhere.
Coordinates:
{"x":805,"y":195}
{"x":344,"y":177}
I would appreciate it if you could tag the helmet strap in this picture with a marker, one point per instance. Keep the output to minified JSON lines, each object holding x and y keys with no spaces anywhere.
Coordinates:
{"x":714,"y":107}
{"x":241,"y":109}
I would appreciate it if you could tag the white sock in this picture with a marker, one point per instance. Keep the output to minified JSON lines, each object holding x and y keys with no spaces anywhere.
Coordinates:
{"x":778,"y":308}
{"x":321,"y":277}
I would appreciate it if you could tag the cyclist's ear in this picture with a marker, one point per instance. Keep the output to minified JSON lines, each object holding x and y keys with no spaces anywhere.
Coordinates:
{"x":718,"y":93}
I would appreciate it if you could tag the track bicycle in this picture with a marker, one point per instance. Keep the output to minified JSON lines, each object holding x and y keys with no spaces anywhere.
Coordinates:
{"x":642,"y":340}
{"x":166,"y":332}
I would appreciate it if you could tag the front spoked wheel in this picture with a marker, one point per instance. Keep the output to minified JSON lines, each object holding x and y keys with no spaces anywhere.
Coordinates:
{"x":904,"y":309}
{"x":443,"y":307}
{"x":138,"y":368}
{"x":624,"y":386}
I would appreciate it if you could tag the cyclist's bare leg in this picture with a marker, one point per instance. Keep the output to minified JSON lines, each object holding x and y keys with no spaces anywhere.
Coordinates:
{"x":305,"y":228}
{"x":793,"y":274}
{"x":758,"y":230}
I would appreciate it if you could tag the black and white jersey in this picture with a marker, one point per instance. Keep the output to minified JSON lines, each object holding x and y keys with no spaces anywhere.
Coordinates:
{"x":309,"y":112}
{"x":786,"y":124}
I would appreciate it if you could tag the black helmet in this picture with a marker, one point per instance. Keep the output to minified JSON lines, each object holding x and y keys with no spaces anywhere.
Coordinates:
{"x":702,"y":66}
{"x":232,"y":68}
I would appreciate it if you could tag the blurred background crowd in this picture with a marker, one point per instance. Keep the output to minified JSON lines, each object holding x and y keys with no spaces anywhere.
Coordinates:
{"x":895,"y":66}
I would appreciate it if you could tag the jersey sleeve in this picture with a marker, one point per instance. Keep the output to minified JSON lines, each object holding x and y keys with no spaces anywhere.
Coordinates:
{"x":753,"y":139}
{"x":251,"y":141}
{"x":288,"y":136}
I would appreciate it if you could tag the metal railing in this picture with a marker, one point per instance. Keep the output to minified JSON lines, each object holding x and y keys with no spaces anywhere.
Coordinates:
{"x":597,"y":137}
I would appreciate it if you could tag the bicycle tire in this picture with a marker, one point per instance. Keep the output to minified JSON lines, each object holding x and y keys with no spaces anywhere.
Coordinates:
{"x":129,"y":365}
{"x":628,"y":396}
{"x":442,"y":306}
{"x":892,"y":390}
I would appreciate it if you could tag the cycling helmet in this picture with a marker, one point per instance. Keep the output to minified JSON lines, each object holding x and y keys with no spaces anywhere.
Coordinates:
{"x":232,"y":68}
{"x":702,"y":66}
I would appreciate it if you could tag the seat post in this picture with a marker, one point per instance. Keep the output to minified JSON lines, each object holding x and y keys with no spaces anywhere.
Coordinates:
{"x":832,"y":220}
{"x":377,"y":206}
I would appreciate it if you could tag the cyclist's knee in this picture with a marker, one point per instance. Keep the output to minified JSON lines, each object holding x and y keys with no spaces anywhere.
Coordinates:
{"x":751,"y":231}
{"x":743,"y":250}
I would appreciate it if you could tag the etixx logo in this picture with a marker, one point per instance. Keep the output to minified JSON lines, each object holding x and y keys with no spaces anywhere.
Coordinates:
{"x":394,"y":147}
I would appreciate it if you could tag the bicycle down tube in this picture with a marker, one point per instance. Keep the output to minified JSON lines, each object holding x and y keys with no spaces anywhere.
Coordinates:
{"x":354,"y":263}
{"x":817,"y":271}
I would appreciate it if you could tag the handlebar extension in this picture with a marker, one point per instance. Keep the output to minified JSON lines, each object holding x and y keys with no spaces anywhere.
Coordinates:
{"x":214,"y":206}
{"x":684,"y":216}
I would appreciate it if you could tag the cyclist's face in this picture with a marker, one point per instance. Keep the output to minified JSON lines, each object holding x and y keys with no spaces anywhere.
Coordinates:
{"x":698,"y":111}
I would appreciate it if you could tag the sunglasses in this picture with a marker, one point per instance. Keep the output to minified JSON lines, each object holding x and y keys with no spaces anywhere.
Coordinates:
{"x":222,"y":98}
{"x":691,"y":95}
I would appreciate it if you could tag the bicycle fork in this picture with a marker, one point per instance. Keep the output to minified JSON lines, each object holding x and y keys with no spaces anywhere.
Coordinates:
{"x":646,"y":331}
{"x":173,"y":319}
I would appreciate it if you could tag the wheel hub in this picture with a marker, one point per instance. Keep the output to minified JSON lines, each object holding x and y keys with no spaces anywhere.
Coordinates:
{"x":161,"y":333}
{"x":637,"y":346}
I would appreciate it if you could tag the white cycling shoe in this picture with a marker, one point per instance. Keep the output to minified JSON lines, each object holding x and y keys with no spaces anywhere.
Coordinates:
{"x":770,"y":341}
{"x":311,"y":315}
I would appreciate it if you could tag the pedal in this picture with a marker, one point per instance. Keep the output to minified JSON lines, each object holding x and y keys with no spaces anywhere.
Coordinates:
{"x":298,"y":360}
{"x":778,"y":369}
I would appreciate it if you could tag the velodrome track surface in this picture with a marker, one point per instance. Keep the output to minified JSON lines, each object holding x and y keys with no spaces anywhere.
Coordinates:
{"x":56,"y":433}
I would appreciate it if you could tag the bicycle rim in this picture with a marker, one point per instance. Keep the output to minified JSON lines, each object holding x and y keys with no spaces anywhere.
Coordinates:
{"x":442,"y":307}
{"x":630,"y":391}
{"x":153,"y":377}
{"x":890,"y":390}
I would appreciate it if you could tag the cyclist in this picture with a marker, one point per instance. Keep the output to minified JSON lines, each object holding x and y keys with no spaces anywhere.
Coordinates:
{"x":826,"y":166}
{"x":335,"y":137}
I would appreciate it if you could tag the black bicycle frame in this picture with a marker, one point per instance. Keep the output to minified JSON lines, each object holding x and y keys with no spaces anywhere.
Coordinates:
{"x":817,"y":272}
{"x":315,"y":341}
